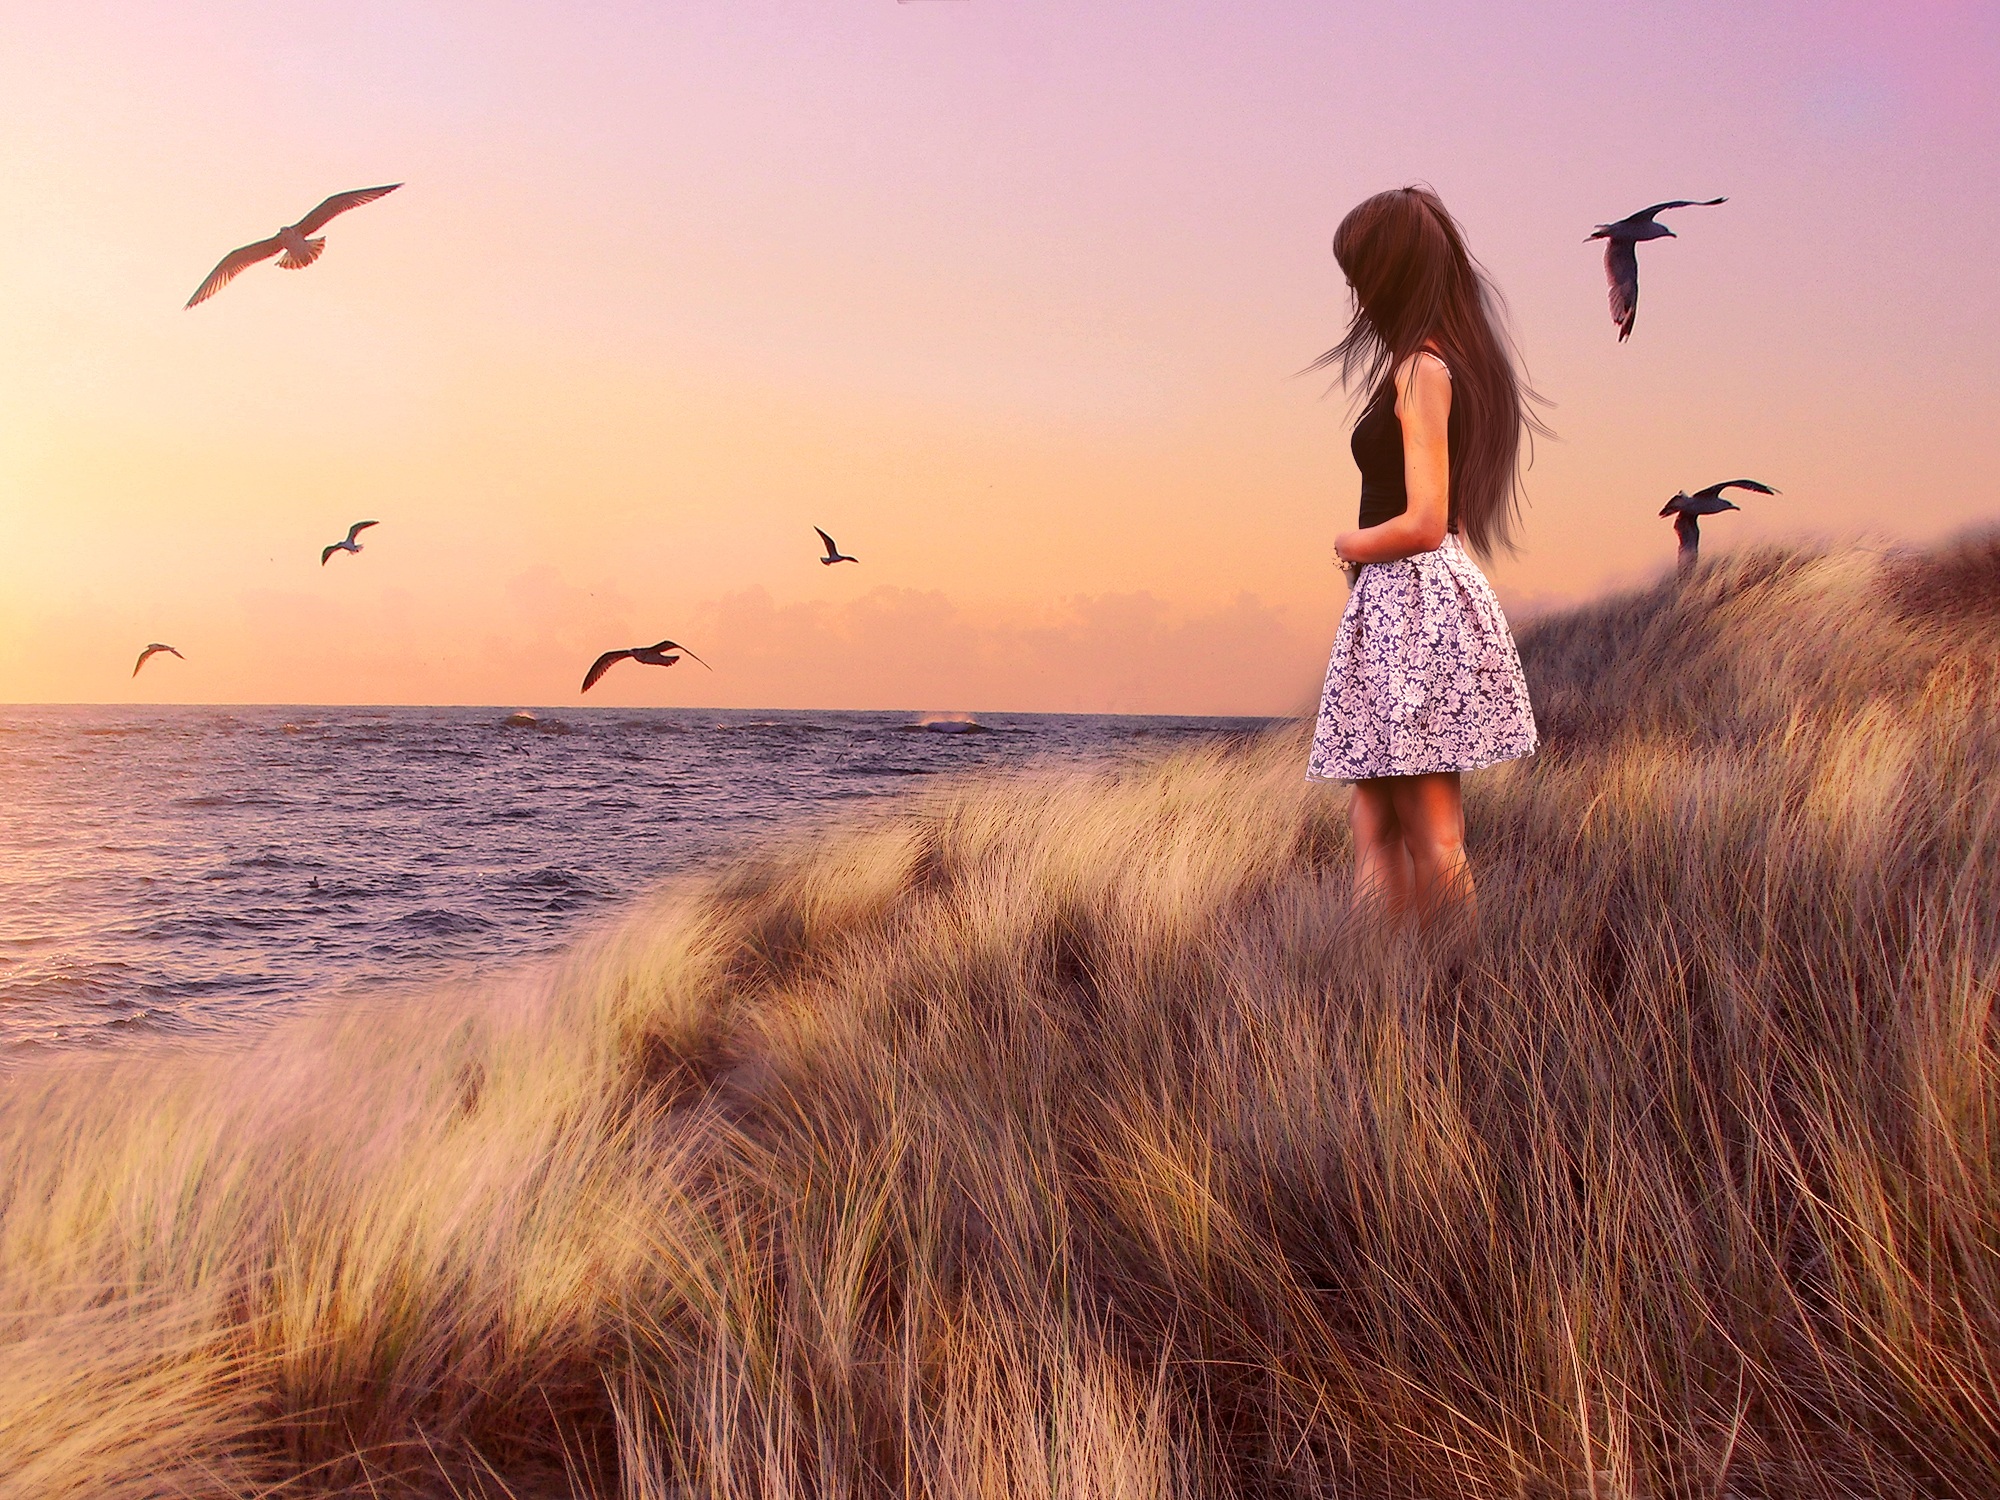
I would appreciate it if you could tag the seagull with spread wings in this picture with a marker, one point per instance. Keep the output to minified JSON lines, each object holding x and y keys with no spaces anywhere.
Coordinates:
{"x":350,"y":545}
{"x":292,"y":244}
{"x":152,"y":651}
{"x":1687,"y":511}
{"x":833,"y":553}
{"x":659,"y":654}
{"x":1621,"y":255}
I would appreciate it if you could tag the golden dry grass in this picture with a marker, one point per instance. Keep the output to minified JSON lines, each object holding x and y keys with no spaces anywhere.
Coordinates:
{"x":1063,"y":1137}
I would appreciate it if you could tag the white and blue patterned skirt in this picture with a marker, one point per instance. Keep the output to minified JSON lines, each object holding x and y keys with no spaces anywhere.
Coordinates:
{"x":1424,"y":675}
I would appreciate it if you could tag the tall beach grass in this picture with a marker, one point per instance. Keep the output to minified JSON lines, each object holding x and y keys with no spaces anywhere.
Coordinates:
{"x":1065,"y":1137}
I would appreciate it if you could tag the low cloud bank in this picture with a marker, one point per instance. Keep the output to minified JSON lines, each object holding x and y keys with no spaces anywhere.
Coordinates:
{"x":1109,"y":653}
{"x":885,"y":648}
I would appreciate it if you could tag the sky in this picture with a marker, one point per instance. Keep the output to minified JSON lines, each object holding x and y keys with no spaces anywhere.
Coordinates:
{"x":1009,"y":296}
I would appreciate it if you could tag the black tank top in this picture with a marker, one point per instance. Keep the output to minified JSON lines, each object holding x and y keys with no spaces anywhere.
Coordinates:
{"x":1378,"y":453}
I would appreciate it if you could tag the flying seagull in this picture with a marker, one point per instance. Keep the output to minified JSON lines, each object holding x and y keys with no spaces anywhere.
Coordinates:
{"x":658,"y":654}
{"x":1621,"y":255}
{"x":298,"y":250}
{"x":1687,"y":511}
{"x":150,"y":652}
{"x":350,"y":545}
{"x":833,"y":553}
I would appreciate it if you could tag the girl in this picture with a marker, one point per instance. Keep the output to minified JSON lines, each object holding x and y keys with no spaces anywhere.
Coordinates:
{"x":1425,"y":682}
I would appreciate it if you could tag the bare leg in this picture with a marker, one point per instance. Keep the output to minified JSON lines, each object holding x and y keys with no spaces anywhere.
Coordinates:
{"x":1431,"y":815}
{"x":1382,"y":870}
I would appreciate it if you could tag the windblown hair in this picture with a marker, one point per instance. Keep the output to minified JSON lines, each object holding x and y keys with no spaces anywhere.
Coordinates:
{"x":1416,"y":283}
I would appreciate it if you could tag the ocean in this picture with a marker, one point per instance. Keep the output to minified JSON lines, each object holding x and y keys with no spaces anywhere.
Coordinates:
{"x":195,"y":871}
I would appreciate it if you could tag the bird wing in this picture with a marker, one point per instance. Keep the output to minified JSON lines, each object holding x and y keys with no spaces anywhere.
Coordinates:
{"x":831,"y":550}
{"x":677,"y":646}
{"x":1673,"y":506}
{"x":1621,"y":271}
{"x":328,"y":551}
{"x":1714,"y":491}
{"x":340,"y":203}
{"x":358,"y":527}
{"x":150,"y":652}
{"x":1659,"y":208}
{"x":599,"y":667}
{"x":235,"y":261}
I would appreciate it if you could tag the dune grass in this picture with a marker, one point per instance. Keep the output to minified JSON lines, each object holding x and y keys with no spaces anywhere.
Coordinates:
{"x":1065,"y":1137}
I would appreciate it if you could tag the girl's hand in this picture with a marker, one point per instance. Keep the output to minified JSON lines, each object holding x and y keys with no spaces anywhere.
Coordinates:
{"x":1347,"y":565}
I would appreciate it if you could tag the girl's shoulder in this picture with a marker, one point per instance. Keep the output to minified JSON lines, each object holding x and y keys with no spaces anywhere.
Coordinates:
{"x":1424,"y":376}
{"x":1427,"y":360}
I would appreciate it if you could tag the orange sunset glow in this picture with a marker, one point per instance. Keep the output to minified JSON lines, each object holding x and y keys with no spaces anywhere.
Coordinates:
{"x":1008,"y":297}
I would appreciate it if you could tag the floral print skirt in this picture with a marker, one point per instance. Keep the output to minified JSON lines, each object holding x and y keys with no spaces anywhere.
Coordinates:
{"x":1424,"y":675}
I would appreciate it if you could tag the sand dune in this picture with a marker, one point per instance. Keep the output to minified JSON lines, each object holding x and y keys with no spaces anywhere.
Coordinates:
{"x":1062,"y":1137}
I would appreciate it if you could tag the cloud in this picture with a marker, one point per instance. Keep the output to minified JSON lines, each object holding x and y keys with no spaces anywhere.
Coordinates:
{"x":1106,"y":653}
{"x":528,"y":642}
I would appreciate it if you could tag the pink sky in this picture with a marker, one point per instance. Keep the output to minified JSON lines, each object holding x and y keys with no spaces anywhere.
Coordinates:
{"x":1004,"y":294}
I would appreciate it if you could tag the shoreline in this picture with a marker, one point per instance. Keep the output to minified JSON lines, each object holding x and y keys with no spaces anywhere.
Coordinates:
{"x":177,"y":865}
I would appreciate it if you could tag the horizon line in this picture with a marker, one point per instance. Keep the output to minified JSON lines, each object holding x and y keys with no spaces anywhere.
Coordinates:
{"x":1048,"y":713}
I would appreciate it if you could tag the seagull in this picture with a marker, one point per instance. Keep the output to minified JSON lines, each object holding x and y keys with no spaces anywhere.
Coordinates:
{"x":1687,"y":511}
{"x":350,"y":545}
{"x":299,"y":251}
{"x":833,"y":553}
{"x":1621,"y":255}
{"x":150,"y":652}
{"x":658,"y":654}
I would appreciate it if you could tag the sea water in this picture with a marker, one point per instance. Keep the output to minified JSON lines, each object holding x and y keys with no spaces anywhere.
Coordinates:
{"x":198,"y":870}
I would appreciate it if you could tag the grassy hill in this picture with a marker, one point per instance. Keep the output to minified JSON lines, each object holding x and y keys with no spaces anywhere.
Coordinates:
{"x":1064,"y":1137}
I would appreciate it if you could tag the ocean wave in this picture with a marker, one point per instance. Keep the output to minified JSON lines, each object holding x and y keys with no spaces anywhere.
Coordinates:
{"x":267,"y":860}
{"x":434,"y":837}
{"x":233,"y":799}
{"x":111,"y":984}
{"x":438,"y":921}
{"x":216,"y":926}
{"x":550,"y":879}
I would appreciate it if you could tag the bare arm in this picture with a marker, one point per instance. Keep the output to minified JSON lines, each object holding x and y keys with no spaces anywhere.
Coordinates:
{"x":1423,"y":405}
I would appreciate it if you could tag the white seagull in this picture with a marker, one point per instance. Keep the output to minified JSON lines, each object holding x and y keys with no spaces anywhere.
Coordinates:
{"x":658,"y":654}
{"x":299,"y":250}
{"x":1687,"y":511}
{"x":350,"y":545}
{"x":1621,"y":255}
{"x":150,"y":652}
{"x":833,"y":553}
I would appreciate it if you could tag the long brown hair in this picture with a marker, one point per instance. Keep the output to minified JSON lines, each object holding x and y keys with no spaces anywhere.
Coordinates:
{"x":1415,"y":283}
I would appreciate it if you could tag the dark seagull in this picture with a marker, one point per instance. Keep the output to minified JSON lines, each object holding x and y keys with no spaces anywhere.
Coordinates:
{"x":1687,"y":511}
{"x":292,"y":245}
{"x":1621,"y":255}
{"x":659,"y":654}
{"x":350,"y":545}
{"x":150,"y":652}
{"x":833,"y":553}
